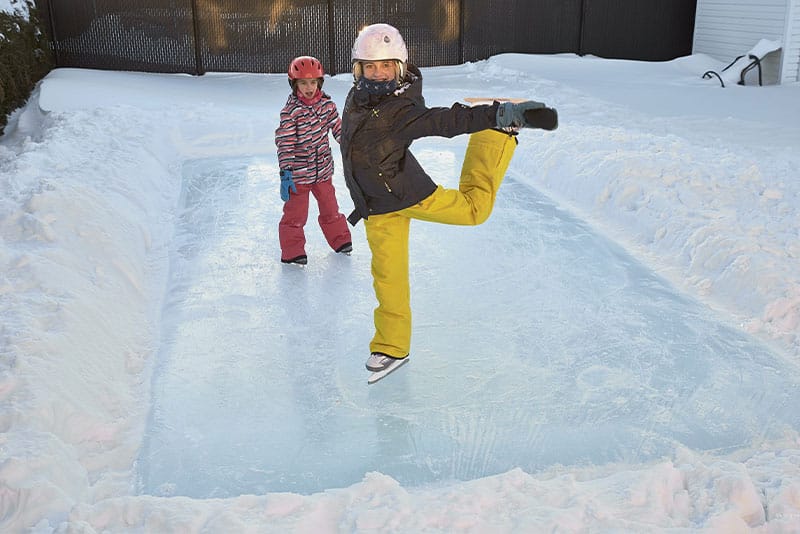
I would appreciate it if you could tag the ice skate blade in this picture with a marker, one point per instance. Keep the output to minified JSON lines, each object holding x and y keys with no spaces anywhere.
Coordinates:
{"x":374,"y":377}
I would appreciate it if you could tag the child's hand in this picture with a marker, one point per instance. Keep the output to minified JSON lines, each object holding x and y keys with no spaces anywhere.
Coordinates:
{"x":528,"y":114}
{"x":286,"y":183}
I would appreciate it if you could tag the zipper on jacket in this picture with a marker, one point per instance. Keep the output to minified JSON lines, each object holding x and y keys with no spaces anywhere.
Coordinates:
{"x":380,"y":175}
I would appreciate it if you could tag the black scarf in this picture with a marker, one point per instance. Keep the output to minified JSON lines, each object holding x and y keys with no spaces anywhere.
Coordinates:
{"x":376,"y":88}
{"x":369,"y":93}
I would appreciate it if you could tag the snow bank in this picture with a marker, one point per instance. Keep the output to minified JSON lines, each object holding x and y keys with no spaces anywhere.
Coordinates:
{"x":701,"y":195}
{"x":690,"y":492}
{"x":15,"y":7}
{"x":81,"y":282}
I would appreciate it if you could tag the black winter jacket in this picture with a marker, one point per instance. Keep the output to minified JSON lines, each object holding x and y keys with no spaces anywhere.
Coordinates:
{"x":379,"y":169}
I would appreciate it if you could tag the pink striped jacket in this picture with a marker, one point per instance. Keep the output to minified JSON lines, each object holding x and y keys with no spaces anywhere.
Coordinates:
{"x":302,"y":138}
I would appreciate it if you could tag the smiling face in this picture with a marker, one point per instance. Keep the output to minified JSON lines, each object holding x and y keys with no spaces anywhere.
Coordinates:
{"x":307,"y":87}
{"x":379,"y":71}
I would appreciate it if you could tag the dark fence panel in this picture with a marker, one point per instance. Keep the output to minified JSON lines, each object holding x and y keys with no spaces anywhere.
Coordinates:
{"x":524,"y":26}
{"x":197,"y":36}
{"x":431,"y":29}
{"x":652,"y":30}
{"x":259,"y":36}
{"x":149,"y":35}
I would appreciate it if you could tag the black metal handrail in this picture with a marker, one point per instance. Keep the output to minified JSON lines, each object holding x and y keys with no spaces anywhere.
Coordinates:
{"x":755,"y":63}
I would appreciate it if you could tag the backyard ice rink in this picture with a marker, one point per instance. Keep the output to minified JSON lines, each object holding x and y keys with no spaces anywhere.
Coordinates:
{"x":615,"y":349}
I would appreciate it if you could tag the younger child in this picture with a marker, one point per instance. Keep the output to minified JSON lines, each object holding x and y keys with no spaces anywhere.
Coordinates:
{"x":306,"y":163}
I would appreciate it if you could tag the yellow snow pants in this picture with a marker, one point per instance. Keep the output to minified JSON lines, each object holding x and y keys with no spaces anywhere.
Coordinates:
{"x":487,"y":158}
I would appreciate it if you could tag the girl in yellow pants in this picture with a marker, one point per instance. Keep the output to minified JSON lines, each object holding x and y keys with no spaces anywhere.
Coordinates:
{"x":488,"y":155}
{"x":383,"y":114}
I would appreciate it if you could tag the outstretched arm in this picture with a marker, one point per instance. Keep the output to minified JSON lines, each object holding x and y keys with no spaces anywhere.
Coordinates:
{"x":448,"y":122}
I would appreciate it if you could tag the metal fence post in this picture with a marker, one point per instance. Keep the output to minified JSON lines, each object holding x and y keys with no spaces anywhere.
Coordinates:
{"x":581,"y":26}
{"x":51,"y":29}
{"x":198,"y":59}
{"x":331,"y":40}
{"x":461,"y":26}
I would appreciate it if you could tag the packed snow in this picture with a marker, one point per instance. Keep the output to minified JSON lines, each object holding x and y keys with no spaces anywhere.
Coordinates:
{"x":15,"y":7}
{"x":18,"y":7}
{"x":616,"y":349}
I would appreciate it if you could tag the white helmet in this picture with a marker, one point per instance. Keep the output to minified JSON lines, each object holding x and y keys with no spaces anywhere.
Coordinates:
{"x":379,"y":41}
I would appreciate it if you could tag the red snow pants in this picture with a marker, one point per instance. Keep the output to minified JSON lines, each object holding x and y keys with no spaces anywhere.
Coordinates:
{"x":291,"y":235}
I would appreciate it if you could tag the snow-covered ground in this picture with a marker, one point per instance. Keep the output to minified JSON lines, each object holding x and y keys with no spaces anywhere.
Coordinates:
{"x":136,"y":207}
{"x":18,"y":7}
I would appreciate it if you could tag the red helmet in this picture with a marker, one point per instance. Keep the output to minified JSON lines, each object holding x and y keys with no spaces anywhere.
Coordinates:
{"x":305,"y":67}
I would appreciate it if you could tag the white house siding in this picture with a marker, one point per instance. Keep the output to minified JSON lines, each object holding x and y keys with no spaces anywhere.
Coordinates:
{"x":726,"y":29}
{"x":791,"y":57}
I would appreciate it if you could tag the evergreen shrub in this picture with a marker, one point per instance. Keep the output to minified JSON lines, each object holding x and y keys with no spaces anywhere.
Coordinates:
{"x":25,"y":58}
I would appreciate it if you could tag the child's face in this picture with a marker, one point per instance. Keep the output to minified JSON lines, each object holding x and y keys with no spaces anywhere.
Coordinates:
{"x":307,"y":87}
{"x":379,"y":71}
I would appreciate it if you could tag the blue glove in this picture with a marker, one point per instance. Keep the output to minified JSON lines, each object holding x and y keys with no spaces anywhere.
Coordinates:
{"x":286,"y":183}
{"x":528,"y":114}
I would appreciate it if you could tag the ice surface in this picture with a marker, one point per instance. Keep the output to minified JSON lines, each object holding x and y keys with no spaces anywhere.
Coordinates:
{"x":260,"y":385}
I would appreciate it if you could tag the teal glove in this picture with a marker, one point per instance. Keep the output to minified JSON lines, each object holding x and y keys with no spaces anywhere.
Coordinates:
{"x":528,"y":114}
{"x":286,"y":183}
